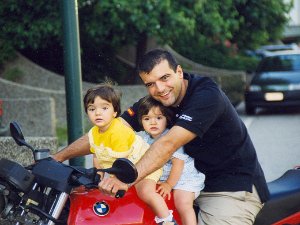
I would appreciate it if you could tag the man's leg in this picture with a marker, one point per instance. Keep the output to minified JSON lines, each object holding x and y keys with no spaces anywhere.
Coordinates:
{"x":234,"y":208}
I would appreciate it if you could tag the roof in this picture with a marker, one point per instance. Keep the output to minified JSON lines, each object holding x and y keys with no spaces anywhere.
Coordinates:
{"x":284,"y":52}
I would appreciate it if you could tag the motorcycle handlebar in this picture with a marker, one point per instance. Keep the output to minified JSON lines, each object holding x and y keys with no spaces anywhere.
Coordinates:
{"x":90,"y":179}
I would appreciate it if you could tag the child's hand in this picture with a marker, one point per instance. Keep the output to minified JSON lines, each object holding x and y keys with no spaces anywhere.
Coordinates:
{"x":164,"y":189}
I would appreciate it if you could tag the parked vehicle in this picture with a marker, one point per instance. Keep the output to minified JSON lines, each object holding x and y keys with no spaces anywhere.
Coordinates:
{"x":267,"y":50}
{"x":275,"y":83}
{"x":50,"y":192}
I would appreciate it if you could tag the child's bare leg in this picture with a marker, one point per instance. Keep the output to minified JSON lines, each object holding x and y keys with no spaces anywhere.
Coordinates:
{"x":184,"y":204}
{"x":146,"y":190}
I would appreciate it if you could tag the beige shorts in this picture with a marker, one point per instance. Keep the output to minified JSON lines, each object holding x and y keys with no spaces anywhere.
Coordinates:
{"x":234,"y":208}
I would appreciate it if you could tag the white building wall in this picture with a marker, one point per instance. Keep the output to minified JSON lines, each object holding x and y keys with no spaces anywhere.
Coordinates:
{"x":295,"y":14}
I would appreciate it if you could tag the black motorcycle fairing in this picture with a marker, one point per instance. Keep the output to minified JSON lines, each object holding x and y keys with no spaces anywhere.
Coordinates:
{"x":51,"y":173}
{"x":284,"y":198}
{"x":16,"y":175}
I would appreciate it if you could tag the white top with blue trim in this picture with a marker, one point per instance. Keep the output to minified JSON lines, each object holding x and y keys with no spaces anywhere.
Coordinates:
{"x":191,"y":179}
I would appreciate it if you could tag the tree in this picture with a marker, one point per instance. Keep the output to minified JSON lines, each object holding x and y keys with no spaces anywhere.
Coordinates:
{"x":260,"y":21}
{"x":122,"y":22}
{"x":243,"y":24}
{"x":107,"y":25}
{"x":29,"y":23}
{"x":246,"y":23}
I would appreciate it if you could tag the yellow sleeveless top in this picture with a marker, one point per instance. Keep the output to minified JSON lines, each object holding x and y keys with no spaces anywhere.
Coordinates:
{"x":118,"y":141}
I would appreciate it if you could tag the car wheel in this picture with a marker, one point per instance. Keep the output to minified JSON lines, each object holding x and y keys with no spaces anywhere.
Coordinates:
{"x":250,"y":110}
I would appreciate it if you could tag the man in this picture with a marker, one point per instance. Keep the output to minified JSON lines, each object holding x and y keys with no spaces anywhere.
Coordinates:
{"x":211,"y":131}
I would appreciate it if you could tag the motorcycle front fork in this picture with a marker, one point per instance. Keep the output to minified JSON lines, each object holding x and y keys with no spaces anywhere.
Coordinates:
{"x":54,"y":210}
{"x":57,"y":206}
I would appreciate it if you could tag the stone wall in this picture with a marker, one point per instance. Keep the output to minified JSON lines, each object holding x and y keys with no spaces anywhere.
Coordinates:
{"x":13,"y":90}
{"x":36,"y":81}
{"x":127,"y":54}
{"x":36,"y":116}
{"x":10,"y":150}
{"x":33,"y":75}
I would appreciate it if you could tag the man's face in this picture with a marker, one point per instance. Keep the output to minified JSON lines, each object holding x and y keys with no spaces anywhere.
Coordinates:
{"x":164,"y":84}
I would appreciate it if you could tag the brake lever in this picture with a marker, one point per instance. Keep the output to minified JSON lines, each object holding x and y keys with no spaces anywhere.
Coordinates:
{"x":120,"y":194}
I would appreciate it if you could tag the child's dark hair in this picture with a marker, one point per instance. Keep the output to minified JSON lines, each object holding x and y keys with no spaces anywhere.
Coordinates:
{"x":105,"y":91}
{"x":147,"y":103}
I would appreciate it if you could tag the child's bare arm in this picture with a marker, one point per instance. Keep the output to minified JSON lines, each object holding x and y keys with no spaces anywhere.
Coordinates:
{"x":165,"y":188}
{"x":97,"y":165}
{"x":176,"y":170}
{"x":96,"y":162}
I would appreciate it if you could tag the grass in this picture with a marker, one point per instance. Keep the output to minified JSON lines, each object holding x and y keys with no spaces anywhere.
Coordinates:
{"x":62,"y":132}
{"x":13,"y":74}
{"x":62,"y":135}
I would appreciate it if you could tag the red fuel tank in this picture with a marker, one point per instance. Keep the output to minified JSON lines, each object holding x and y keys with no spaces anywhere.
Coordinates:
{"x":92,"y":207}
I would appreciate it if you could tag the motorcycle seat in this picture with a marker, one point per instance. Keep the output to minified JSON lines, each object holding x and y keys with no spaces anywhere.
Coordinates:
{"x":284,"y":198}
{"x":287,"y":184}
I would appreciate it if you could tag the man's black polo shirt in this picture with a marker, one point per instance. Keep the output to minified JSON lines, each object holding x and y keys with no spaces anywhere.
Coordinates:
{"x":222,"y":150}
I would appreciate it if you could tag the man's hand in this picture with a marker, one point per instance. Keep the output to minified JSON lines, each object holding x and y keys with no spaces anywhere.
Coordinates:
{"x":111,"y":185}
{"x":164,"y":189}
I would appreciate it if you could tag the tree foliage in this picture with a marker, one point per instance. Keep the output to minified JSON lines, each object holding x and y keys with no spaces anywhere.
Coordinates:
{"x":260,"y":21}
{"x":247,"y":23}
{"x":121,"y":22}
{"x":29,"y":23}
{"x":124,"y":21}
{"x":228,"y":26}
{"x":107,"y":25}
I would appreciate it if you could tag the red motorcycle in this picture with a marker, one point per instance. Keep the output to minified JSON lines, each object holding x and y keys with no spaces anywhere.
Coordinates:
{"x":50,"y":192}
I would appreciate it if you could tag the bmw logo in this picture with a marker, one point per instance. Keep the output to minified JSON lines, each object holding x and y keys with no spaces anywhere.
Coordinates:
{"x":101,"y":208}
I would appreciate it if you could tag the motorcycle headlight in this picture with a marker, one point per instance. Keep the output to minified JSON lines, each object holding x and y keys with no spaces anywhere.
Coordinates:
{"x":16,"y":175}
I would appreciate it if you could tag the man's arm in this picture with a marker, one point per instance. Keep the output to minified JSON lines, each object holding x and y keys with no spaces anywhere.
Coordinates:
{"x":80,"y":147}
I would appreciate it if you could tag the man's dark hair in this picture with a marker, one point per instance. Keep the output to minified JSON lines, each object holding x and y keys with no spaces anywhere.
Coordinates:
{"x":154,"y":57}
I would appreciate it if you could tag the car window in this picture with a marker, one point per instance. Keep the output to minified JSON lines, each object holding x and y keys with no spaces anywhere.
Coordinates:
{"x":277,"y":78}
{"x":280,"y":63}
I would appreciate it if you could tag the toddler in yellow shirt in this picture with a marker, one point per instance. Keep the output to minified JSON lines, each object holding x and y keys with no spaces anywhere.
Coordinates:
{"x":110,"y":139}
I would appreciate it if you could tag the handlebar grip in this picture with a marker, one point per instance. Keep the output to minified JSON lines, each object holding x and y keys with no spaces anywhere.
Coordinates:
{"x":120,"y":194}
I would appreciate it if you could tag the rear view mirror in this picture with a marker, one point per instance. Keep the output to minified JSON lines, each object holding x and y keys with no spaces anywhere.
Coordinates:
{"x":123,"y":169}
{"x":17,"y":135}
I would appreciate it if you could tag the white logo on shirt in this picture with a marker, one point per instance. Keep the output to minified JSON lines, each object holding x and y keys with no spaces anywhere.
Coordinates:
{"x":185,"y":117}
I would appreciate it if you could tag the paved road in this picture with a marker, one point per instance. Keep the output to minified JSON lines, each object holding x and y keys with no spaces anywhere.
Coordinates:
{"x":276,"y":137}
